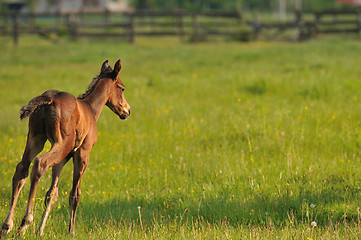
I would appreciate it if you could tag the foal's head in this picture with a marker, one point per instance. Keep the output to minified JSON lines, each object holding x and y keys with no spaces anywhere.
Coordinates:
{"x":116,"y":101}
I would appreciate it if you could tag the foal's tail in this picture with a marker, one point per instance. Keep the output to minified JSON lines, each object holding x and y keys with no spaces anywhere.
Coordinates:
{"x":34,"y":103}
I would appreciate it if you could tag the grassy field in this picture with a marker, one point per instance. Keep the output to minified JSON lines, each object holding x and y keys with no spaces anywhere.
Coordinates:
{"x":226,"y":140}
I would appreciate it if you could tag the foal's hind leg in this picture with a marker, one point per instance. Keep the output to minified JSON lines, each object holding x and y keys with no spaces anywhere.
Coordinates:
{"x":41,"y":163}
{"x":52,"y":195}
{"x":34,"y":146}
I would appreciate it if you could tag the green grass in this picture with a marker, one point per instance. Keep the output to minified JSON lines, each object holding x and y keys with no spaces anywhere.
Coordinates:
{"x":225,"y":141}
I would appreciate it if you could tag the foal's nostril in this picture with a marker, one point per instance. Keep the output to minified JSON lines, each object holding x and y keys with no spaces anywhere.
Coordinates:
{"x":129,"y":111}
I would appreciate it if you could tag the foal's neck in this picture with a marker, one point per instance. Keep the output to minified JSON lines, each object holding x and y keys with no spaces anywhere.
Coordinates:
{"x":98,"y":97}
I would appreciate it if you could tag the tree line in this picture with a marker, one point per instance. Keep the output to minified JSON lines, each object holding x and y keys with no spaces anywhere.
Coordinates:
{"x":225,"y":5}
{"x":251,"y":5}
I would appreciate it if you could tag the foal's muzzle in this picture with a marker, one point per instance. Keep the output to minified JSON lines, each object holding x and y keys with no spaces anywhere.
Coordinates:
{"x":125,"y":114}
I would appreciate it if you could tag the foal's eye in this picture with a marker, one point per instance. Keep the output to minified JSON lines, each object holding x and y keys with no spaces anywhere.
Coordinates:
{"x":121,"y":88}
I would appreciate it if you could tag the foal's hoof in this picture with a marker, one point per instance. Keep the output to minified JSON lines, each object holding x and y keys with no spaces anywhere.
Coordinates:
{"x":5,"y":230}
{"x":40,"y":232}
{"x":71,"y":232}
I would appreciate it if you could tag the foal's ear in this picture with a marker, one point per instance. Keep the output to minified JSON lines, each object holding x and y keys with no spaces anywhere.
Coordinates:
{"x":105,"y":66}
{"x":117,"y":68}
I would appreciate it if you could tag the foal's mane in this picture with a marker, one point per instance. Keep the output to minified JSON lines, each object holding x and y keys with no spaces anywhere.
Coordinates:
{"x":94,"y":82}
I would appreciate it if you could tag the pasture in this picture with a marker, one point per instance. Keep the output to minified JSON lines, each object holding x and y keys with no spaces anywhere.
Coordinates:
{"x":226,"y":140}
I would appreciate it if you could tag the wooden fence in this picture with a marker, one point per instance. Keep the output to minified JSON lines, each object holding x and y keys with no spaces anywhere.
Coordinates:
{"x":308,"y":24}
{"x":195,"y":26}
{"x":186,"y":25}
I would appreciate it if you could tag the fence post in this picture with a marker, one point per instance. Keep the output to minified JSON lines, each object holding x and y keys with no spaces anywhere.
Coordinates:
{"x":179,"y":24}
{"x":15,"y":27}
{"x":132,"y":28}
{"x":14,"y":8}
{"x":256,"y":26}
{"x":195,"y":37}
{"x":72,"y":26}
{"x":299,"y":25}
{"x":106,"y":15}
{"x":317,"y":22}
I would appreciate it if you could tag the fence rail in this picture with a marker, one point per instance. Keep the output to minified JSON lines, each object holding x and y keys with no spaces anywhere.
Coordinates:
{"x":191,"y":25}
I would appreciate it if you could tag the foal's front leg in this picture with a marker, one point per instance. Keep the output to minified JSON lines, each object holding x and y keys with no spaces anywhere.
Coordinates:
{"x":81,"y":161}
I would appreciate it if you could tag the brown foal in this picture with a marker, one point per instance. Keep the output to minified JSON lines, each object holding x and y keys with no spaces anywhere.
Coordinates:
{"x":69,"y":124}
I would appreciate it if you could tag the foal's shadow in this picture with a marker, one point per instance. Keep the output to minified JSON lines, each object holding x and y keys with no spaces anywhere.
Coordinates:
{"x":322,"y":206}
